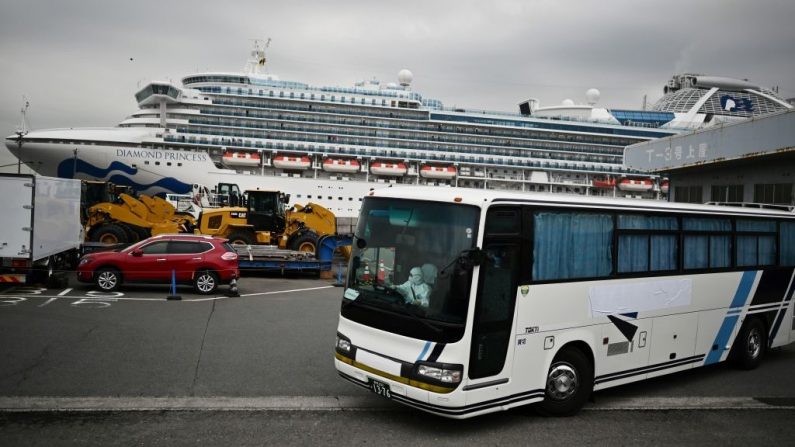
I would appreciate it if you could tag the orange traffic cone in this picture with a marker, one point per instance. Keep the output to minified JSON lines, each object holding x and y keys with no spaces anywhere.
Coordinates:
{"x":366,"y":274}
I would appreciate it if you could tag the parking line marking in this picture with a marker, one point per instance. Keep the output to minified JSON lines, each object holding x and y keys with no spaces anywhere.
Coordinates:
{"x":197,"y":300}
{"x":273,"y":292}
{"x":24,"y":404}
{"x":48,"y":301}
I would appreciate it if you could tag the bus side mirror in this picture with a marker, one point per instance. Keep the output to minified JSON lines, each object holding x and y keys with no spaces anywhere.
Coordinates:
{"x":468,"y":259}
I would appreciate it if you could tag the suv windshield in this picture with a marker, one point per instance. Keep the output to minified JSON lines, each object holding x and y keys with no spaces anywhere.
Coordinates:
{"x":406,"y":278}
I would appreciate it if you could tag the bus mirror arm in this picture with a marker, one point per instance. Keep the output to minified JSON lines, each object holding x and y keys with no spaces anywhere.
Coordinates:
{"x":471,"y":258}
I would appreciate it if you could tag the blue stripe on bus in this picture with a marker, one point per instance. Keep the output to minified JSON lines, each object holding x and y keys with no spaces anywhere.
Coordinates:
{"x":726,"y":329}
{"x":782,"y":310}
{"x":744,"y":289}
{"x":424,"y":350}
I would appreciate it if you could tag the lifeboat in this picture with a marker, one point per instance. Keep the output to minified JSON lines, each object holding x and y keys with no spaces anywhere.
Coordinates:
{"x":292,"y":163}
{"x":441,"y":172}
{"x":241,"y":159}
{"x":604,"y":182}
{"x":340,"y":165}
{"x":664,"y":186}
{"x":392,"y":169}
{"x":635,"y":185}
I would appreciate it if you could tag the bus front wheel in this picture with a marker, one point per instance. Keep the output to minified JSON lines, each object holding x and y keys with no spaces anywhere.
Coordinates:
{"x":569,"y":383}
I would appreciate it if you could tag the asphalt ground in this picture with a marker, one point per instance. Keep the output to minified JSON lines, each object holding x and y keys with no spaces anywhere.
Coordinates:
{"x":83,"y":367}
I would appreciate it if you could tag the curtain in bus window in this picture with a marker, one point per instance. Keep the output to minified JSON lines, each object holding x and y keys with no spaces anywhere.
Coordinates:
{"x":756,"y":249}
{"x":706,"y":224}
{"x":787,"y":243}
{"x":633,"y":250}
{"x":746,"y":251}
{"x":696,"y":252}
{"x":633,"y":253}
{"x":720,"y":251}
{"x":640,"y":222}
{"x":703,"y":251}
{"x":756,"y":225}
{"x":663,"y":253}
{"x":572,"y":245}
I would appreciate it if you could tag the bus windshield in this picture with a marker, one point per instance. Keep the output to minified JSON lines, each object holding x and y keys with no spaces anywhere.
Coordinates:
{"x":406,"y":275}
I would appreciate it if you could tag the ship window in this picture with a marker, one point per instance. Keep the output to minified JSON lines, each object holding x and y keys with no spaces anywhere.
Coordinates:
{"x":179,"y":164}
{"x":168,"y":163}
{"x":309,"y":196}
{"x":157,"y":163}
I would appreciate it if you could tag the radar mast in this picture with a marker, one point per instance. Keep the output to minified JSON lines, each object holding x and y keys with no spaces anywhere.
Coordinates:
{"x":256,"y":62}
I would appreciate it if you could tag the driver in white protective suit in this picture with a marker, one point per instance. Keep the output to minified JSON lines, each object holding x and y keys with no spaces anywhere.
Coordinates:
{"x":415,"y":290}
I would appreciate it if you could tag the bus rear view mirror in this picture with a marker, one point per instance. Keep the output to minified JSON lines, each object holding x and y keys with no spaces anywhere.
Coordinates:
{"x":471,"y":258}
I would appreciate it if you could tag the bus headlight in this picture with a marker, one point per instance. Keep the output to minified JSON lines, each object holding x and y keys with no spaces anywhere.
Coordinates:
{"x":343,"y":345}
{"x":440,"y":372}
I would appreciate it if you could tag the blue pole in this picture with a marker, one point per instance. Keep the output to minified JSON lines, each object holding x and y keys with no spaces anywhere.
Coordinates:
{"x":173,"y":295}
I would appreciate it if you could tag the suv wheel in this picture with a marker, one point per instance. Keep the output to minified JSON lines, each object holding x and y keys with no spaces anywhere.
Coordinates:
{"x":107,"y":279}
{"x":205,"y":282}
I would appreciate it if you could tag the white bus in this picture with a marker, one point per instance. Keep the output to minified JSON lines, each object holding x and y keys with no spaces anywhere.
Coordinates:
{"x":462,"y":302}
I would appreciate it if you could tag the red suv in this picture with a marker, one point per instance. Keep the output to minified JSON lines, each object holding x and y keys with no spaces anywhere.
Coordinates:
{"x":203,"y":261}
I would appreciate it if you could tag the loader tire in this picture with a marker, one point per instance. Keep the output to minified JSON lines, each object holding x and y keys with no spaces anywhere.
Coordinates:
{"x":109,"y":234}
{"x":306,"y":242}
{"x":242,"y":238}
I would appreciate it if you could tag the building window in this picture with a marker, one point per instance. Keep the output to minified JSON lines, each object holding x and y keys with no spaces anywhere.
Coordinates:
{"x":727,"y":193}
{"x":688,"y":194}
{"x":778,"y":193}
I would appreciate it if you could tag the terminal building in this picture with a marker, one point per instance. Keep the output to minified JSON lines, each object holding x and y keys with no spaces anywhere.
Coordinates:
{"x":749,"y":161}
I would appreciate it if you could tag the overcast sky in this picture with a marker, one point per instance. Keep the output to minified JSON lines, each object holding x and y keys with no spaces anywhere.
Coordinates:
{"x":79,"y":62}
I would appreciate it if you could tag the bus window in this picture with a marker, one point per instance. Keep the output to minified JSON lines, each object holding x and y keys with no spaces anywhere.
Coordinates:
{"x":758,"y":247}
{"x":707,"y":243}
{"x":787,"y":243}
{"x":648,"y":244}
{"x":570,"y":245}
{"x":406,"y":263}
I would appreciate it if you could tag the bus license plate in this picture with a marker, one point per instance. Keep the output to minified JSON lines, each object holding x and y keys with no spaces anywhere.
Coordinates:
{"x":380,"y":388}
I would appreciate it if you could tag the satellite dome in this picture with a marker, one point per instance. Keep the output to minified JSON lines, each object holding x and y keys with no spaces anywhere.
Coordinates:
{"x":592,"y":96}
{"x":567,"y":102}
{"x":405,"y":77}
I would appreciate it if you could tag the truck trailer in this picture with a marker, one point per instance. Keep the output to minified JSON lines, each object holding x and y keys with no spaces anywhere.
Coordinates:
{"x":40,"y":227}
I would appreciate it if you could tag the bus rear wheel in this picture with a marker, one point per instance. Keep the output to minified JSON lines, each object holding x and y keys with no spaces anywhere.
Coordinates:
{"x":749,"y":347}
{"x":569,"y":383}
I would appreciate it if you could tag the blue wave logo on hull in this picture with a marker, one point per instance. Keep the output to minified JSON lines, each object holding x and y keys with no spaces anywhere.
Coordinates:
{"x":69,"y":167}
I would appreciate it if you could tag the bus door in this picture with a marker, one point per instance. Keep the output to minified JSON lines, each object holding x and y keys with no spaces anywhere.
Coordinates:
{"x":498,"y":282}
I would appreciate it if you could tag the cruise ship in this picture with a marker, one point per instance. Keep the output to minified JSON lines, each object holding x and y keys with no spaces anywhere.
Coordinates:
{"x":332,"y":145}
